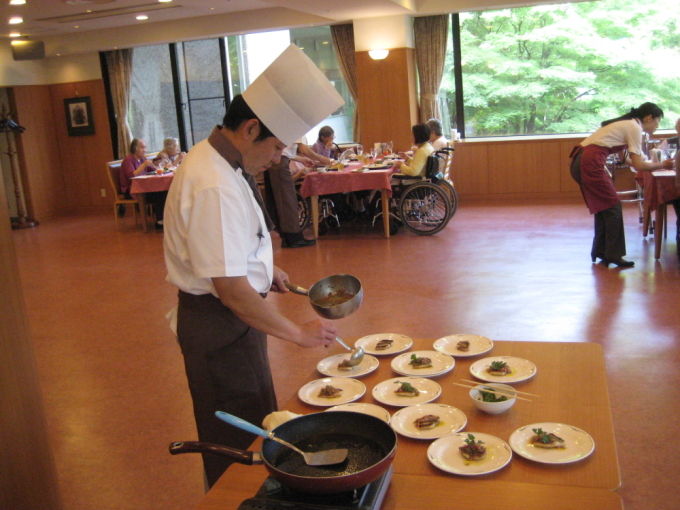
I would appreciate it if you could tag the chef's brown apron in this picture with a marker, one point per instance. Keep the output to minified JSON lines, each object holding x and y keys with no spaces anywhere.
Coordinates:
{"x":597,"y":187}
{"x":227,"y":368}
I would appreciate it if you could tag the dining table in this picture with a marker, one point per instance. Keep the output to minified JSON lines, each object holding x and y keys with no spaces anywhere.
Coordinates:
{"x":571,"y":387}
{"x":659,"y":188}
{"x":355,"y":176}
{"x":149,"y":183}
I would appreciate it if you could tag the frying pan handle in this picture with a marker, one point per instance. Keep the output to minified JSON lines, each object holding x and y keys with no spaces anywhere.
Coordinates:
{"x":241,"y":424}
{"x":297,"y":289}
{"x":241,"y":456}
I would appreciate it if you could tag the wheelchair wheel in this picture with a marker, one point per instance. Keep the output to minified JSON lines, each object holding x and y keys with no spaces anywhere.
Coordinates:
{"x":451,"y":194}
{"x":304,"y":212}
{"x":424,"y":208}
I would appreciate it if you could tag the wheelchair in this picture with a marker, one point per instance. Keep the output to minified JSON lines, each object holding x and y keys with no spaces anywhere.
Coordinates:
{"x":424,"y":205}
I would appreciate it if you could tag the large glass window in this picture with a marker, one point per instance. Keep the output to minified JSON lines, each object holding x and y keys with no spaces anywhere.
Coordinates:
{"x":152,"y":114}
{"x":565,"y":68}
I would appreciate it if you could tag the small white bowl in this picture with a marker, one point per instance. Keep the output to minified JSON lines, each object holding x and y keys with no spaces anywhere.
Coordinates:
{"x":493,"y":407}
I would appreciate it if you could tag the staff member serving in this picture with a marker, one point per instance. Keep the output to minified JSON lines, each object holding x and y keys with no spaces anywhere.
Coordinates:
{"x":218,"y":251}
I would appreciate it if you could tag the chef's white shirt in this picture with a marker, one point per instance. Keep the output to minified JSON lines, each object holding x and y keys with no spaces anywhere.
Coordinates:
{"x":213,"y":226}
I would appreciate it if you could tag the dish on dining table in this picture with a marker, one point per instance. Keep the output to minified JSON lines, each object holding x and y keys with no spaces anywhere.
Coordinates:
{"x":576,"y":444}
{"x":378,"y":166}
{"x":386,"y":391}
{"x":449,"y":419}
{"x":453,"y":345}
{"x":329,"y":366}
{"x":395,"y":343}
{"x":352,"y":390}
{"x":519,"y":369}
{"x":445,"y":454}
{"x":407,"y":363}
{"x":364,"y":408}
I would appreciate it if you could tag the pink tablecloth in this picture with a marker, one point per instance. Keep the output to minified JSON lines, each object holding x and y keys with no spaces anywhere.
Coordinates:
{"x":659,"y":190}
{"x":150,"y":183}
{"x":346,"y":180}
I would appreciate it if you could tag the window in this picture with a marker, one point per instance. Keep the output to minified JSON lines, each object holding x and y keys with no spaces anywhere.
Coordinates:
{"x":564,"y":68}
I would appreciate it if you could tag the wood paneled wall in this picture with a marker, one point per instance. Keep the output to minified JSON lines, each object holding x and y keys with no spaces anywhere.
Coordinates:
{"x":63,"y":173}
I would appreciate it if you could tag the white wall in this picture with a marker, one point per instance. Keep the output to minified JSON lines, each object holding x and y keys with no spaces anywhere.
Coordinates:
{"x":46,"y":71}
{"x":383,"y":33}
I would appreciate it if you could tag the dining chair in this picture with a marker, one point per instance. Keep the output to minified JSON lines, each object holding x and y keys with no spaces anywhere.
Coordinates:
{"x":113,"y":173}
{"x":628,"y":185}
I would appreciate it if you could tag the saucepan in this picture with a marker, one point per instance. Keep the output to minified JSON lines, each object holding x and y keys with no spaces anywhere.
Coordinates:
{"x":371,"y":445}
{"x":334,"y":297}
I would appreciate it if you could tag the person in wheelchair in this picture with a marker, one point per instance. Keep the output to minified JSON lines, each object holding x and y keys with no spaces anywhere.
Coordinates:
{"x":415,"y":166}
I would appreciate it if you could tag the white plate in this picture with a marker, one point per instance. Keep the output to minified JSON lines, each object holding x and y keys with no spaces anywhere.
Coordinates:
{"x":384,"y":392}
{"x":478,"y":345}
{"x":578,"y":443}
{"x":359,"y":407}
{"x":444,"y":454}
{"x":329,"y":366}
{"x":521,"y":369}
{"x":441,"y":364}
{"x":451,"y":419}
{"x":351,"y":391}
{"x":400,"y":343}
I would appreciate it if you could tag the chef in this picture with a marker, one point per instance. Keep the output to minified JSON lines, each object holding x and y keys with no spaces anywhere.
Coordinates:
{"x":218,"y":251}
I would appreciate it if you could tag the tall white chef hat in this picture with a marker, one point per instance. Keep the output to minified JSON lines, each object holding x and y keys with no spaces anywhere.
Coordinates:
{"x":292,"y":95}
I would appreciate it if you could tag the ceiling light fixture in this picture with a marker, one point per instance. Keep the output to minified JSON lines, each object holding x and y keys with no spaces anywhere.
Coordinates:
{"x":142,"y":17}
{"x":380,"y":54}
{"x":165,"y":1}
{"x":15,"y":20}
{"x":17,"y":2}
{"x":14,"y":34}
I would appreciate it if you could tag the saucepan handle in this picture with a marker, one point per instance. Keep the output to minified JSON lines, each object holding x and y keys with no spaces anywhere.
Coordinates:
{"x":297,"y":289}
{"x":241,"y":456}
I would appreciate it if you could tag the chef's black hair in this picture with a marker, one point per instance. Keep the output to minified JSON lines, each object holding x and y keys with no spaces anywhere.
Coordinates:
{"x":638,"y":113}
{"x":421,"y":133}
{"x":239,"y":112}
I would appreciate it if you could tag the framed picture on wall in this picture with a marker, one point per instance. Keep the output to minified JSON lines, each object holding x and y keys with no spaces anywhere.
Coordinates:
{"x":79,"y":120}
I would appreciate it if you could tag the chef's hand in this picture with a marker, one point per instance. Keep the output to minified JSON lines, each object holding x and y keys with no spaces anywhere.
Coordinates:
{"x":316,"y":333}
{"x":279,"y":281}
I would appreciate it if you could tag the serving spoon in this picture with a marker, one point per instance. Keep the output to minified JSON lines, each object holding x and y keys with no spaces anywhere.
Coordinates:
{"x":356,"y":354}
{"x":322,"y":458}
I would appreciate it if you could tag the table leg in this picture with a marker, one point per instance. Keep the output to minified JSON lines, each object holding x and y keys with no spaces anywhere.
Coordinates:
{"x":658,"y":229}
{"x":385,"y":200}
{"x":314,"y":199}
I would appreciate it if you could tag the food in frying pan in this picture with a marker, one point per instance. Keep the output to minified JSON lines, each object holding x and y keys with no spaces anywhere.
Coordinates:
{"x":463,"y":345}
{"x":499,"y":368}
{"x":429,"y":421}
{"x":384,"y":344}
{"x":543,"y":439}
{"x":472,"y":449}
{"x":334,"y":298}
{"x":329,"y":391}
{"x":420,"y":362}
{"x":406,"y":389}
{"x":345,"y":365}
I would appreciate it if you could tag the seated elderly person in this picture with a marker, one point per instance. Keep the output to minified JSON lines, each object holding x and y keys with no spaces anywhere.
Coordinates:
{"x":134,"y":164}
{"x":171,"y":155}
{"x":416,"y":165}
{"x":437,"y":138}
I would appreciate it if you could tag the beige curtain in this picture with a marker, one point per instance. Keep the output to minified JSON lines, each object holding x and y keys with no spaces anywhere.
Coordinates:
{"x":119,"y":63}
{"x":343,"y":42}
{"x":430,"y":39}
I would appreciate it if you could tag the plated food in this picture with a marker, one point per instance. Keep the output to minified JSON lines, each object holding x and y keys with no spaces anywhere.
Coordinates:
{"x":406,"y":391}
{"x":364,"y":408}
{"x":463,"y":345}
{"x":552,"y":443}
{"x":450,"y":453}
{"x":331,"y":391}
{"x":423,"y":363}
{"x":503,"y":369}
{"x":383,"y":344}
{"x":379,"y":166}
{"x":336,"y":366}
{"x":428,"y":421}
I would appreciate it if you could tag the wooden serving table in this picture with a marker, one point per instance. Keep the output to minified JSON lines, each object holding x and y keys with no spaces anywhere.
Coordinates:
{"x":344,"y":181}
{"x":571,"y":380}
{"x":659,"y":188}
{"x":143,"y":184}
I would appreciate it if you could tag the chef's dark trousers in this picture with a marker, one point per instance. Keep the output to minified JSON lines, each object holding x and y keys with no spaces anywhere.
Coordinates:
{"x":281,"y":198}
{"x":227,"y":369}
{"x":609,"y":241}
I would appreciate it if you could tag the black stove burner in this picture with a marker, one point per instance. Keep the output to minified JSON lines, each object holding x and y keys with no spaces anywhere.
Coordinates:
{"x":273,"y":496}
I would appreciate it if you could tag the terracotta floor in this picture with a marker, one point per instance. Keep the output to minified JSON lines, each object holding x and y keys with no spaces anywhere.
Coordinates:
{"x":113,"y":379}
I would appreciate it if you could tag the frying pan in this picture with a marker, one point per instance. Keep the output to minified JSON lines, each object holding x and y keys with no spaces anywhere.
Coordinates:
{"x":336,"y":285}
{"x":372,"y":445}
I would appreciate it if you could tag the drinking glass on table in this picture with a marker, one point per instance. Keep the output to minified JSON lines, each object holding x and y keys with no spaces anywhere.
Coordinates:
{"x":360,"y":149}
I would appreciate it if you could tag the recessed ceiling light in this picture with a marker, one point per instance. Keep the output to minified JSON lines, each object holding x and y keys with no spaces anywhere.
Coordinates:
{"x":141,"y":17}
{"x":17,"y":2}
{"x":76,"y":26}
{"x":14,"y":34}
{"x":15,"y":20}
{"x":164,"y":1}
